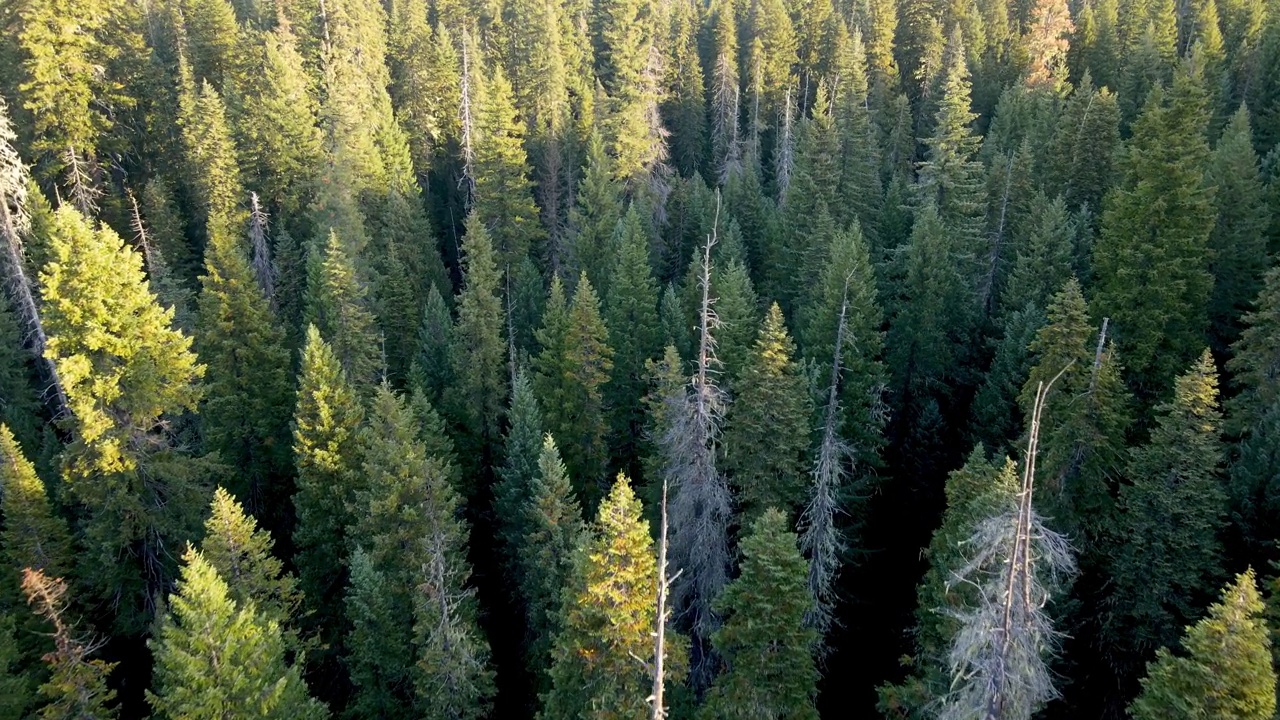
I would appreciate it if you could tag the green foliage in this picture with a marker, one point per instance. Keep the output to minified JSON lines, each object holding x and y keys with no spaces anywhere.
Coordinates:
{"x":766,"y":437}
{"x":20,"y":409}
{"x":1226,"y":670}
{"x":594,"y":217}
{"x":1152,"y":259}
{"x":34,"y":536}
{"x":337,"y":304}
{"x":607,"y":618}
{"x":1169,"y":518}
{"x":765,"y":640}
{"x":16,"y":688}
{"x":552,"y":521}
{"x":215,"y":656}
{"x":327,"y":456}
{"x":503,"y":191}
{"x":522,"y":449}
{"x":572,"y":371}
{"x":210,"y":155}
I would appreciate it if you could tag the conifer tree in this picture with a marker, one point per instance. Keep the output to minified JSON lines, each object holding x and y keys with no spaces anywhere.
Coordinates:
{"x":810,"y":196}
{"x":77,"y":685}
{"x":336,"y":303}
{"x":210,"y":157}
{"x":771,"y":54}
{"x":766,"y":439}
{"x":20,"y":410}
{"x":764,"y":640}
{"x":241,"y":554}
{"x":859,"y":162}
{"x":1253,"y":357}
{"x":327,"y":456}
{"x":951,"y":176}
{"x":215,"y":656}
{"x":1226,"y":671}
{"x":503,"y":192}
{"x":1160,"y":217}
{"x":572,"y":373}
{"x":478,"y":352}
{"x":1238,"y":241}
{"x":1082,"y":153}
{"x":522,"y":449}
{"x":738,"y":309}
{"x":725,"y":96}
{"x":430,"y":371}
{"x":594,"y":217}
{"x":607,"y":617}
{"x":34,"y":536}
{"x":631,"y":315}
{"x":274,"y":118}
{"x":554,"y":531}
{"x":124,"y":368}
{"x":16,"y":687}
{"x":1168,"y":520}
{"x":246,"y":409}
{"x":684,"y":104}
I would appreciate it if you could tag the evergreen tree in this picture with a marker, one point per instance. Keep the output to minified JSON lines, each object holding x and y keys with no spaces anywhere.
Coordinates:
{"x":429,"y":372}
{"x":738,"y":310}
{"x":522,"y":450}
{"x":859,"y":161}
{"x":1082,"y":153}
{"x":951,"y":176}
{"x":16,"y":688}
{"x":1167,"y":547}
{"x":210,"y":155}
{"x":594,"y":217}
{"x":336,"y":303}
{"x":1152,"y":258}
{"x":771,"y":54}
{"x":1226,"y":672}
{"x":77,"y":684}
{"x":684,"y":103}
{"x":34,"y":536}
{"x":765,"y":641}
{"x":327,"y":456}
{"x":572,"y":373}
{"x":554,"y":530}
{"x":477,"y":352}
{"x":123,"y":368}
{"x":1253,"y":357}
{"x":631,"y":315}
{"x":766,"y":439}
{"x":241,"y":554}
{"x":215,"y":656}
{"x":607,"y":617}
{"x":1238,"y":242}
{"x":20,"y":410}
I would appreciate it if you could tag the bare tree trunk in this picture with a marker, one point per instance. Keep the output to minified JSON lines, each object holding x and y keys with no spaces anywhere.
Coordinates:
{"x":263,"y":270}
{"x":657,"y":703}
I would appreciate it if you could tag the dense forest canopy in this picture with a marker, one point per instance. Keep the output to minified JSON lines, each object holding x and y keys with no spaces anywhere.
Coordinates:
{"x":709,"y":359}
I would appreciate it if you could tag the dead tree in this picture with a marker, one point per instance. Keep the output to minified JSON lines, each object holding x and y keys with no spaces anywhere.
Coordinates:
{"x":999,"y":663}
{"x":657,"y":702}
{"x":263,"y":270}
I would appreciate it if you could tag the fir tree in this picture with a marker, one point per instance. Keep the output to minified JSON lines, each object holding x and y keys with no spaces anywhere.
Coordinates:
{"x":210,"y":155}
{"x":1238,"y":242}
{"x":34,"y":536}
{"x":595,"y":215}
{"x":766,"y":440}
{"x":764,"y":640}
{"x":123,"y":368}
{"x":1082,"y":153}
{"x":684,"y":103}
{"x":336,"y":303}
{"x":607,"y":617}
{"x":572,"y":373}
{"x":554,"y":530}
{"x":215,"y":656}
{"x":1169,"y":518}
{"x":1226,"y":671}
{"x":631,"y":315}
{"x":327,"y":456}
{"x":429,"y":372}
{"x":478,"y":352}
{"x":20,"y":410}
{"x":522,"y":449}
{"x":16,"y":687}
{"x":859,"y":161}
{"x":1152,"y":259}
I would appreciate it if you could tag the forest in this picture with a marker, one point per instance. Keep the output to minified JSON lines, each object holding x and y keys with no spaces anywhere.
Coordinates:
{"x":639,"y":359}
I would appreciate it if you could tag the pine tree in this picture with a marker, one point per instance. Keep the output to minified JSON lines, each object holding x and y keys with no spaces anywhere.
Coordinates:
{"x":725,"y":95}
{"x":571,"y":377}
{"x":738,"y":309}
{"x":1169,"y":518}
{"x":16,"y":687}
{"x":34,"y":536}
{"x":209,"y":29}
{"x":684,"y":103}
{"x":215,"y":656}
{"x":123,"y":368}
{"x":327,"y":457}
{"x":210,"y":157}
{"x":631,"y":315}
{"x":407,"y":525}
{"x":595,"y":216}
{"x":810,"y":196}
{"x":503,"y":192}
{"x":859,"y":161}
{"x":21,"y":407}
{"x":241,"y":554}
{"x":77,"y":685}
{"x":247,"y":385}
{"x":607,"y":617}
{"x":1253,"y":357}
{"x":1082,"y":153}
{"x":766,"y":439}
{"x":430,"y":371}
{"x":1152,"y":258}
{"x":478,"y":352}
{"x":1238,"y":242}
{"x":951,"y":176}
{"x":336,"y":303}
{"x":554,"y":530}
{"x":764,"y":640}
{"x":1226,"y":672}
{"x":522,"y":449}
{"x":771,"y":54}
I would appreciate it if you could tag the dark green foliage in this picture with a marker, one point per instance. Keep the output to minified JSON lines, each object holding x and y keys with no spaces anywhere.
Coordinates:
{"x":594,"y":218}
{"x":20,"y":408}
{"x":430,"y":370}
{"x":1226,"y":670}
{"x":17,"y":691}
{"x":1169,"y":518}
{"x":765,"y":641}
{"x":522,"y":448}
{"x":337,"y":305}
{"x":766,"y":437}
